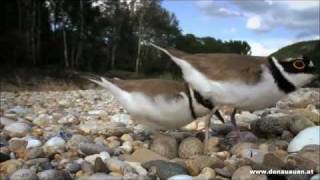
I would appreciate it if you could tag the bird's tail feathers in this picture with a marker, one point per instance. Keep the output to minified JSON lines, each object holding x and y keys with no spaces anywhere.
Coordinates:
{"x":105,"y":83}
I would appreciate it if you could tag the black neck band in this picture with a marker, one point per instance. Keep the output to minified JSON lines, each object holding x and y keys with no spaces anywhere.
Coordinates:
{"x":283,"y":84}
{"x":193,"y":114}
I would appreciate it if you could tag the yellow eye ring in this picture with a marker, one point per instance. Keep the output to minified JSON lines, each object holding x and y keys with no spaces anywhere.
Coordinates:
{"x":299,"y":65}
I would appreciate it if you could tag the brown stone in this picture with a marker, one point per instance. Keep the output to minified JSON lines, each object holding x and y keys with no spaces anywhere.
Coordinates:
{"x":165,"y":146}
{"x":189,"y":147}
{"x":272,"y":160}
{"x":197,"y":163}
{"x":143,"y":155}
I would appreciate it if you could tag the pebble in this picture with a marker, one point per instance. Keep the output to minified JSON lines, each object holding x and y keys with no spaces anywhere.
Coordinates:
{"x":114,"y":144}
{"x":306,"y":137}
{"x":19,"y":110}
{"x":166,"y":146}
{"x":189,"y":147}
{"x":121,"y":118}
{"x":206,"y":173}
{"x":103,"y":128}
{"x":138,"y":168}
{"x":32,"y":142}
{"x":144,"y":155}
{"x":43,"y":120}
{"x":299,"y":123}
{"x":90,"y":148}
{"x":54,"y":144}
{"x":17,"y":145}
{"x":163,"y":169}
{"x":76,"y":140}
{"x":73,"y":167}
{"x":287,"y":136}
{"x":4,"y":157}
{"x":17,"y":129}
{"x":127,"y":147}
{"x":99,"y":166}
{"x":36,"y":152}
{"x":69,"y":119}
{"x":115,"y":165}
{"x":310,"y":113}
{"x":100,"y":176}
{"x":181,"y":177}
{"x":126,"y":137}
{"x":53,"y":174}
{"x":273,"y":160}
{"x":315,"y":177}
{"x":24,"y":174}
{"x":272,"y":125}
{"x":103,"y":155}
{"x":240,"y":148}
{"x":302,"y":98}
{"x":197,"y":163}
{"x":213,"y":143}
{"x":87,"y":167}
{"x":10,"y":166}
{"x":246,"y":116}
{"x":6,"y":121}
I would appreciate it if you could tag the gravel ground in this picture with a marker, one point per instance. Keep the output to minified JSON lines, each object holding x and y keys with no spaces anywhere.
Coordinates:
{"x":86,"y":134}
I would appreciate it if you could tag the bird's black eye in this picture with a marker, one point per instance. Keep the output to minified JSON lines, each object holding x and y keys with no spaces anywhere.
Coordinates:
{"x":298,"y":64}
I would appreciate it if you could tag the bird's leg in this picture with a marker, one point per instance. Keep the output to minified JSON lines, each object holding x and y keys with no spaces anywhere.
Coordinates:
{"x":234,"y":123}
{"x":206,"y":135}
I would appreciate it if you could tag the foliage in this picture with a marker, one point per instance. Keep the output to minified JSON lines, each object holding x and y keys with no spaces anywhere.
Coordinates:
{"x":96,"y":36}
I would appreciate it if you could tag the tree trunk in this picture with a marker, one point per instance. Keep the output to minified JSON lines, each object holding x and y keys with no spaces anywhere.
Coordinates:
{"x":38,"y":48}
{"x":81,"y":35}
{"x":140,"y":29}
{"x":19,"y":15}
{"x":65,"y":47}
{"x":33,"y":34}
{"x":137,"y":69}
{"x":113,"y":56}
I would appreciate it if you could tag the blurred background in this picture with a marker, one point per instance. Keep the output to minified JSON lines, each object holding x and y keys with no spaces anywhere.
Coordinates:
{"x":45,"y":41}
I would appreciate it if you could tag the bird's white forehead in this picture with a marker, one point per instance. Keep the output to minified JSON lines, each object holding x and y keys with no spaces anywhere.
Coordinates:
{"x":292,"y":59}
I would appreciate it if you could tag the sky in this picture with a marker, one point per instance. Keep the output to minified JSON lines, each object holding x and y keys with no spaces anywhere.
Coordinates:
{"x":267,"y":25}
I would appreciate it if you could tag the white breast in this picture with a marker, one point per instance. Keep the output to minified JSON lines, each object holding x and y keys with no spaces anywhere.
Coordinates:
{"x":247,"y":96}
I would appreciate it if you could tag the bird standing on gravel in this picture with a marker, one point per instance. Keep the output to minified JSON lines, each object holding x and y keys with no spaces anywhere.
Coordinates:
{"x":243,"y":82}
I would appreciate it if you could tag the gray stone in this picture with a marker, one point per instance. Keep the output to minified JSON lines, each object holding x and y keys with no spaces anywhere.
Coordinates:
{"x":24,"y":174}
{"x":73,"y":167}
{"x":17,"y":129}
{"x":90,"y":148}
{"x":271,"y":125}
{"x":76,"y":140}
{"x":164,"y":169}
{"x":53,"y":174}
{"x":100,"y":176}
